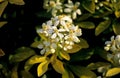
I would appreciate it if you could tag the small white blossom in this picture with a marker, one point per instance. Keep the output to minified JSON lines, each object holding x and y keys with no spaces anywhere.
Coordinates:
{"x":59,"y":32}
{"x":114,"y":44}
{"x":73,"y":9}
{"x":53,"y":5}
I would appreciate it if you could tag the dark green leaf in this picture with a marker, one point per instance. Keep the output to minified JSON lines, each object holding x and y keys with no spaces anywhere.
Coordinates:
{"x":83,"y":43}
{"x":83,"y":54}
{"x":26,"y":74}
{"x":102,"y":26}
{"x":22,"y":54}
{"x":83,"y":72}
{"x":84,"y":17}
{"x":89,"y":5}
{"x":87,"y":25}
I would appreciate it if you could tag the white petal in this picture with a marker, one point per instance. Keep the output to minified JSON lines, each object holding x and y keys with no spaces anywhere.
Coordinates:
{"x":42,"y":51}
{"x":40,"y":46}
{"x":78,"y":11}
{"x":67,"y":10}
{"x":53,"y":36}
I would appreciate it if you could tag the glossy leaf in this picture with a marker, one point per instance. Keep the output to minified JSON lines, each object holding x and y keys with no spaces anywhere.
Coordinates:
{"x":65,"y":55}
{"x":22,"y":54}
{"x":89,"y":5}
{"x":94,"y":66}
{"x":17,"y":2}
{"x":57,"y":65}
{"x":65,"y":75}
{"x":33,"y":60}
{"x":87,"y":25}
{"x":35,"y":44}
{"x":2,"y":7}
{"x":26,"y":74}
{"x":83,"y":43}
{"x":84,"y":17}
{"x":82,"y":72}
{"x":102,"y":26}
{"x":113,"y":71}
{"x":82,"y":55}
{"x":14,"y":73}
{"x":116,"y":28}
{"x":117,"y":14}
{"x":42,"y":68}
{"x":2,"y":23}
{"x":76,"y":48}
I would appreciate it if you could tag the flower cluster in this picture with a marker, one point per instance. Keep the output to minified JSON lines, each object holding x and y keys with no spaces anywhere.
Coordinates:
{"x":113,"y":45}
{"x":58,"y":33}
{"x":56,"y":7}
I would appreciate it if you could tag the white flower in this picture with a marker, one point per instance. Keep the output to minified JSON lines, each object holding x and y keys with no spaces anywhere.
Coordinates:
{"x":53,"y":5}
{"x":114,"y":44}
{"x":59,"y":32}
{"x":73,"y":9}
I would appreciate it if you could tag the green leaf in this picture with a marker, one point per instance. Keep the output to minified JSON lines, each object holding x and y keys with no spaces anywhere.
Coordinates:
{"x":113,"y":71}
{"x":65,"y":55}
{"x":83,"y":43}
{"x":26,"y":74}
{"x":65,"y":75}
{"x":84,"y":54}
{"x":21,"y":54}
{"x":2,"y":23}
{"x":116,"y":28}
{"x":94,"y":66}
{"x":35,"y":44}
{"x":89,"y":5}
{"x":84,"y":17}
{"x":102,"y":26}
{"x":75,"y":48}
{"x":83,"y":72}
{"x":87,"y":25}
{"x":17,"y":2}
{"x":2,"y":7}
{"x":1,"y":1}
{"x":14,"y":73}
{"x":33,"y":60}
{"x":57,"y":65}
{"x":42,"y":68}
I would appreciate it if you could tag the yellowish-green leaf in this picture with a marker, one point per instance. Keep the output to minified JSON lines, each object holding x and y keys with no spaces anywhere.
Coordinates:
{"x":1,"y":1}
{"x":102,"y":26}
{"x":117,"y":14}
{"x":83,"y":43}
{"x":87,"y":25}
{"x":42,"y":68}
{"x":17,"y":2}
{"x":33,"y":60}
{"x":3,"y":6}
{"x":2,"y":23}
{"x":116,"y":28}
{"x":83,"y":72}
{"x":65,"y":75}
{"x":35,"y":44}
{"x":26,"y":74}
{"x":84,"y":17}
{"x":89,"y":5}
{"x":113,"y":71}
{"x":57,"y":65}
{"x":14,"y":73}
{"x":76,"y":48}
{"x":22,"y":54}
{"x":65,"y":55}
